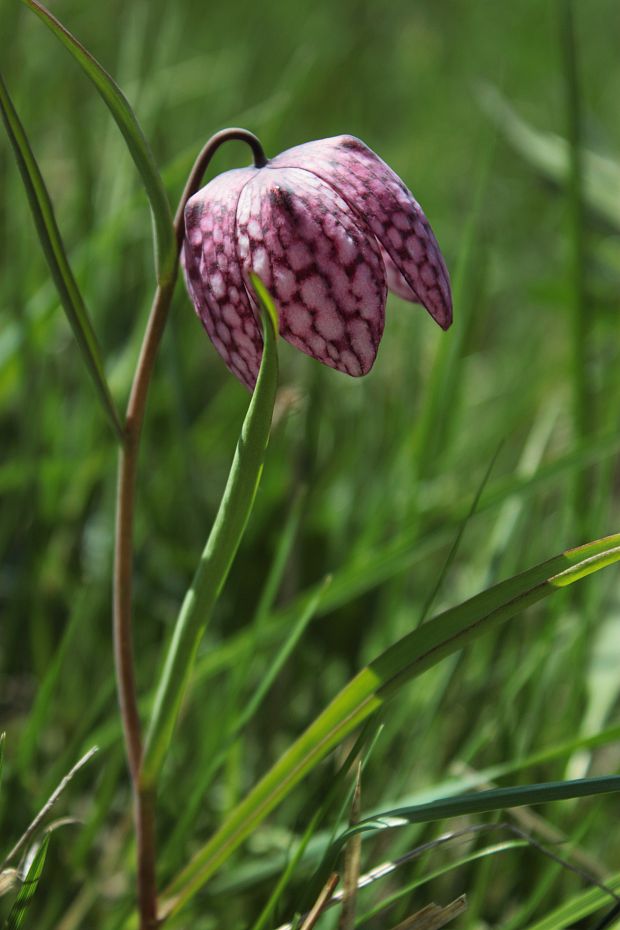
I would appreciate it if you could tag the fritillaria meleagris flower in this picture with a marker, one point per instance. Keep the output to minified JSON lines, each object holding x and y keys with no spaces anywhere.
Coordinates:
{"x":328,"y":227}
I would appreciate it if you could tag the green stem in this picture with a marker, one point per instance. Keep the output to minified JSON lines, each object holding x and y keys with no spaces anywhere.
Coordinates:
{"x":219,"y":551}
{"x":582,"y":408}
{"x":123,"y":553}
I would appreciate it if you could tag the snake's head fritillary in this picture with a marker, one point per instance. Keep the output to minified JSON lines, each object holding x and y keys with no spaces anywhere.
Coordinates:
{"x":329,"y":227}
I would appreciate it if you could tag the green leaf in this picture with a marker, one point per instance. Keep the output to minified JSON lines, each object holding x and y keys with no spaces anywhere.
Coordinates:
{"x":51,"y":241}
{"x":571,"y":912}
{"x":119,"y":107}
{"x":29,"y":887}
{"x":264,"y":867}
{"x":377,"y":683}
{"x":483,"y":802}
{"x":219,"y":552}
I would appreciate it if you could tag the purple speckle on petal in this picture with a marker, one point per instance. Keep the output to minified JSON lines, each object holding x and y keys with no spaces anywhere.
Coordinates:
{"x":328,"y":227}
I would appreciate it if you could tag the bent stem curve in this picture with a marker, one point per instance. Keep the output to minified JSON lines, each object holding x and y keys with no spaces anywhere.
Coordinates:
{"x":123,"y":549}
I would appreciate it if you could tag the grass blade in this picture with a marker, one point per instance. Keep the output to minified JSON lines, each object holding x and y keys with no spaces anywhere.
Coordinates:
{"x":581,"y":313}
{"x":118,"y":105}
{"x":51,"y":241}
{"x":378,"y":682}
{"x":220,"y":549}
{"x":576,"y":908}
{"x":484,"y":802}
{"x":28,"y":889}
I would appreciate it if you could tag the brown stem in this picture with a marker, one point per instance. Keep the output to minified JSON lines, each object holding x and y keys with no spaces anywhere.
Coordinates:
{"x":143,"y":799}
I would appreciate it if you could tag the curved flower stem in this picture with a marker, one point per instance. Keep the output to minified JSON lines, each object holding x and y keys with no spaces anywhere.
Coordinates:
{"x":123,"y":552}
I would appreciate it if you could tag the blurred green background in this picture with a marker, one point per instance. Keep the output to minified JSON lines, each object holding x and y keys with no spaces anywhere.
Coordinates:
{"x":368,"y":480}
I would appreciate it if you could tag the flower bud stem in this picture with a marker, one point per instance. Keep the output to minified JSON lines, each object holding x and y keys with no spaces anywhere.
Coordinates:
{"x":144,"y":811}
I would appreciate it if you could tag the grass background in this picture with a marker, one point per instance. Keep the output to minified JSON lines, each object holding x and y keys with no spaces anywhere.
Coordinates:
{"x":367,"y":480}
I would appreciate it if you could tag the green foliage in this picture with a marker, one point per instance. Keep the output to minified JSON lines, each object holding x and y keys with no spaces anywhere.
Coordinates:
{"x":49,"y":236}
{"x":370,"y":482}
{"x":28,"y":887}
{"x":219,"y":552}
{"x":137,"y":145}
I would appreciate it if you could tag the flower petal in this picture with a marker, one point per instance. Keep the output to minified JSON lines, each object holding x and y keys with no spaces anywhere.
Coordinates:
{"x":372,"y":189}
{"x":213,"y":274}
{"x":395,"y":281}
{"x":321,"y":263}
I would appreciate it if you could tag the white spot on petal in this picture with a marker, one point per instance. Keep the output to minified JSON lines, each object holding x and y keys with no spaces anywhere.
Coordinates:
{"x":285,"y":283}
{"x":401,"y":221}
{"x":361,"y":342}
{"x":330,"y":326}
{"x":350,"y":363}
{"x":395,"y":238}
{"x":362,"y":281}
{"x":230,"y":316}
{"x":314,"y":292}
{"x":223,"y":333}
{"x":298,"y":320}
{"x":346,"y":247}
{"x":217,"y":285}
{"x":298,"y":256}
{"x":317,"y":344}
{"x":260,"y":265}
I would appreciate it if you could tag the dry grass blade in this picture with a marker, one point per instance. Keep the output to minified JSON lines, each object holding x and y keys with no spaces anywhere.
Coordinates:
{"x":433,"y":916}
{"x":8,"y":880}
{"x":321,"y":902}
{"x":47,"y":807}
{"x":352,"y":857}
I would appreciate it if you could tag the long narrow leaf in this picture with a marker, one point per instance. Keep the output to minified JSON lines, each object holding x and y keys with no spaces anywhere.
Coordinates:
{"x":571,"y":912}
{"x":117,"y":103}
{"x":220,"y":549}
{"x":261,"y":869}
{"x":375,"y":684}
{"x":481,"y":802}
{"x":51,"y":241}
{"x":28,"y":889}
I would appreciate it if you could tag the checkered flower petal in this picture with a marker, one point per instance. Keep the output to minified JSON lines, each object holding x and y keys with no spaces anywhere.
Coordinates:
{"x":329,"y":228}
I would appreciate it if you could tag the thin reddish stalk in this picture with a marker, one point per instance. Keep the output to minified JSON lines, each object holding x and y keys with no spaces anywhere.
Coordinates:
{"x":143,"y":799}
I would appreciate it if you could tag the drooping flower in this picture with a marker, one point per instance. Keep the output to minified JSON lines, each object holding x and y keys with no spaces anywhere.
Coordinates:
{"x":328,"y":227}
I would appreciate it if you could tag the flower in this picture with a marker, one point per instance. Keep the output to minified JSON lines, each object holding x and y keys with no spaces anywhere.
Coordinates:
{"x":328,"y":227}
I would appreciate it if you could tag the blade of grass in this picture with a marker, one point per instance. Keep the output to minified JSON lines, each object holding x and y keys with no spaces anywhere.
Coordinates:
{"x":430,"y":876}
{"x":457,"y":539}
{"x":378,"y":682}
{"x":186,"y":818}
{"x":35,"y":824}
{"x":220,"y":549}
{"x":56,"y":256}
{"x":576,"y":908}
{"x":583,"y":414}
{"x":118,"y":105}
{"x":439,"y":406}
{"x":389,"y":868}
{"x":481,"y":802}
{"x":289,"y":644}
{"x":247,"y":875}
{"x":28,"y":889}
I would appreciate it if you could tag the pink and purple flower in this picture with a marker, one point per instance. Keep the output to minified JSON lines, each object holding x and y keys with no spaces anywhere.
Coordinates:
{"x":329,"y":228}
